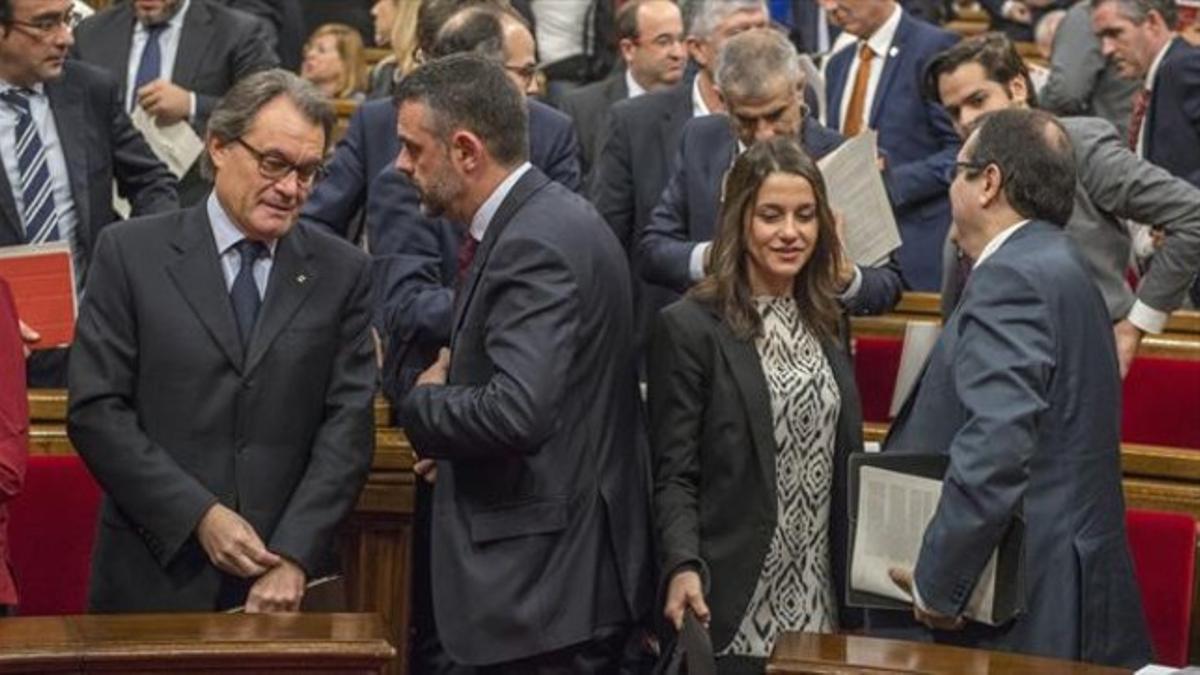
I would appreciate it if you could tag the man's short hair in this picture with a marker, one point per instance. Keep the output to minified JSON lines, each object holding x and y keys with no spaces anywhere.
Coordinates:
{"x":478,"y":30}
{"x":1035,"y":158}
{"x":1137,"y":10}
{"x":5,"y":12}
{"x":993,"y":51}
{"x":751,"y":60}
{"x":235,"y":112}
{"x":468,"y":91}
{"x":700,"y":17}
{"x":433,"y":14}
{"x":627,"y":20}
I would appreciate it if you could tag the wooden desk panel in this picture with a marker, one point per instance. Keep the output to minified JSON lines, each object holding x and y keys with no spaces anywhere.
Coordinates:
{"x":812,"y":654}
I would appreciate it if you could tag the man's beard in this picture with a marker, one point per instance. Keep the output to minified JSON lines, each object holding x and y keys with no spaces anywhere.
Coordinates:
{"x":438,"y":196}
{"x":162,"y":16}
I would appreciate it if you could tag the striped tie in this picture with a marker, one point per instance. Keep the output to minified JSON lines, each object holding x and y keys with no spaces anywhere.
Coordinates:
{"x":37,"y":190}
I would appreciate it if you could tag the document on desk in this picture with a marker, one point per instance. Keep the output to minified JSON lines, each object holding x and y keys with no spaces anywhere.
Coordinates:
{"x":177,"y":145}
{"x":893,"y":507}
{"x":856,"y":190}
{"x":42,"y":280}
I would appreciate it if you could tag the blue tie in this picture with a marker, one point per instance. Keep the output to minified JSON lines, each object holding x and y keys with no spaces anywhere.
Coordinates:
{"x":244,"y":293}
{"x":150,"y":67}
{"x":37,"y":191}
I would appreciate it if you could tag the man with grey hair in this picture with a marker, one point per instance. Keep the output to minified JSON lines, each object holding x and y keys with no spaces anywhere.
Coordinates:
{"x":222,"y":375}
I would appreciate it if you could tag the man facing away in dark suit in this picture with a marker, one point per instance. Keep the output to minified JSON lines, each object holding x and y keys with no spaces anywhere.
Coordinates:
{"x":530,"y":424}
{"x":877,"y":85}
{"x":762,"y":86}
{"x":650,"y":43}
{"x":175,"y":59}
{"x":70,"y":119}
{"x":223,"y":374}
{"x":1022,"y":392}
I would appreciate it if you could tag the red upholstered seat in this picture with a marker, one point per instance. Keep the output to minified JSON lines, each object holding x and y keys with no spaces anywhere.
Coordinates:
{"x":1164,"y":559}
{"x":1161,"y":402}
{"x":876,"y":362}
{"x":51,"y":530}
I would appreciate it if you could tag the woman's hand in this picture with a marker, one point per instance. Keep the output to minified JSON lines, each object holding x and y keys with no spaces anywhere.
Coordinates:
{"x":685,"y":591}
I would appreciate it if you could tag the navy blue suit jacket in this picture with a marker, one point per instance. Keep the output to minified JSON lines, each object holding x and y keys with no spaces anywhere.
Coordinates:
{"x":1172,"y":124}
{"x":918,"y":140}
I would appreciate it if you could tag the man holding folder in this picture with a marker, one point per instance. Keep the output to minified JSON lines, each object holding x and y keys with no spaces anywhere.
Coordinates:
{"x":1022,"y":392}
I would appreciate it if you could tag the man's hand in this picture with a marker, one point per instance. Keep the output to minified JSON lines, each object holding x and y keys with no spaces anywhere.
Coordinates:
{"x":426,"y":468}
{"x":1128,"y":337}
{"x":29,"y":337}
{"x":845,"y":264}
{"x":904,"y":580}
{"x":279,"y":590}
{"x":165,"y":101}
{"x":436,"y":373}
{"x":685,"y":591}
{"x":232,"y":544}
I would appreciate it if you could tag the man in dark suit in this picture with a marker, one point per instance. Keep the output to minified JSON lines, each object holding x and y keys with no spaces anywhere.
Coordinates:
{"x":1022,"y":393}
{"x":650,"y":42}
{"x":761,"y":83}
{"x":877,"y":85}
{"x":530,"y":424}
{"x":222,"y":376}
{"x":175,"y":58}
{"x":70,"y":119}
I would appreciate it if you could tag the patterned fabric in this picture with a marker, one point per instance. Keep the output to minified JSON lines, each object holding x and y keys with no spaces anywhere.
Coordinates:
{"x":795,"y":588}
{"x":37,"y":190}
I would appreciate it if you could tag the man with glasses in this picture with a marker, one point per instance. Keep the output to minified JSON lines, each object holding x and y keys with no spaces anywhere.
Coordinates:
{"x":761,"y":82}
{"x":650,"y":42}
{"x":223,"y":374}
{"x":69,"y":123}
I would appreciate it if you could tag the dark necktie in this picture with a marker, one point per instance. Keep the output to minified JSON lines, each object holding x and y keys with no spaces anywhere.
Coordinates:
{"x":150,"y":67}
{"x":244,"y":293}
{"x":37,"y":190}
{"x":1141,"y":102}
{"x":466,"y":255}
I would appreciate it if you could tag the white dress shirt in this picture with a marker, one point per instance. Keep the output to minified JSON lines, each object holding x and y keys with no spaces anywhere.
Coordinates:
{"x":997,"y":241}
{"x":1148,"y":85}
{"x":487,"y":210}
{"x":168,"y":42}
{"x":880,"y":43}
{"x":226,"y":235}
{"x":635,"y":89}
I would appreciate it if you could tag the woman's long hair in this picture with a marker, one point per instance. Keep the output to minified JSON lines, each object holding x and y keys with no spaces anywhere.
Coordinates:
{"x":727,"y":284}
{"x":353,"y":79}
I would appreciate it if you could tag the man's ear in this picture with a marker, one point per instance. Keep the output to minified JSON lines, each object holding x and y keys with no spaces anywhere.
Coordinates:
{"x":217,"y":150}
{"x":1018,"y":89}
{"x":993,"y":185}
{"x":466,"y":150}
{"x":627,"y":47}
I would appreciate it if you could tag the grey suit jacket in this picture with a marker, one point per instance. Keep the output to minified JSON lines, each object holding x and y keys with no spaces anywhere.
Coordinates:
{"x":217,"y":47}
{"x":541,"y":506}
{"x":1114,"y":186}
{"x":1022,"y":392}
{"x":172,"y":415}
{"x":588,"y":108}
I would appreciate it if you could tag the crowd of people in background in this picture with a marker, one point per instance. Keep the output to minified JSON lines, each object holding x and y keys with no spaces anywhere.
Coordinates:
{"x":584,"y":249}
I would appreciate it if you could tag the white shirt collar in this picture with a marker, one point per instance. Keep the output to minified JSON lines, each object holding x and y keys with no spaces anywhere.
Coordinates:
{"x":1152,"y":73}
{"x":997,"y":241}
{"x":635,"y":89}
{"x":38,"y":88}
{"x":699,"y":108}
{"x":487,"y":210}
{"x":224,"y":231}
{"x":881,"y":40}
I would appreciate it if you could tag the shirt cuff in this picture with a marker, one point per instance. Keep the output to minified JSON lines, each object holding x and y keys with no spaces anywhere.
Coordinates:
{"x":854,"y":287}
{"x":1147,"y":318}
{"x":192,"y":107}
{"x":917,"y":601}
{"x":696,"y":263}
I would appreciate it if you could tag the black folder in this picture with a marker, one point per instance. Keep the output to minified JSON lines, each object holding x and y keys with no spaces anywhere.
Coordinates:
{"x":1009,"y":598}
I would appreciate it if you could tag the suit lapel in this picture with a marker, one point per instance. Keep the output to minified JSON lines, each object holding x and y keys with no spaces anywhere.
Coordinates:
{"x":526,"y":185}
{"x":746,"y":366}
{"x":8,"y":211}
{"x":197,"y":274}
{"x":673,"y":119}
{"x":195,"y":37}
{"x":292,"y":281}
{"x":839,"y":69}
{"x":890,"y":65}
{"x":116,"y":44}
{"x":67,"y":103}
{"x":1155,"y":94}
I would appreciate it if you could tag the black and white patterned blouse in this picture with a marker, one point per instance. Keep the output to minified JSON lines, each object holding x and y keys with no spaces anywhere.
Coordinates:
{"x":795,"y":588}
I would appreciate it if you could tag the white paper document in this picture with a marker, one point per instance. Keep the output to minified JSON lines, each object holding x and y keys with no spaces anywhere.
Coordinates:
{"x":919,"y":339}
{"x":177,"y":145}
{"x":893,"y":511}
{"x":856,"y":190}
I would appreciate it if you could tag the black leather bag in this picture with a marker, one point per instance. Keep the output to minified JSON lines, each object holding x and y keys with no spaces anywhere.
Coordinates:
{"x":690,"y":653}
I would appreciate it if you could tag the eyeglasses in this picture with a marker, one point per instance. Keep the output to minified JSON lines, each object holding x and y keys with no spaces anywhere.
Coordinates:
{"x":524,"y":73}
{"x":275,"y":168}
{"x":48,"y":24}
{"x":971,"y":167}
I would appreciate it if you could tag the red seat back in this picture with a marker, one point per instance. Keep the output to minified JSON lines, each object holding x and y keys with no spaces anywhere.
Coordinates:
{"x":51,"y":531}
{"x":876,"y":362}
{"x":1161,"y":397}
{"x":1164,"y":560}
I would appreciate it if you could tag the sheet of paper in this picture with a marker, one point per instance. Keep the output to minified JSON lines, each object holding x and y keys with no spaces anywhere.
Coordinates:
{"x":42,"y":280}
{"x":919,"y":339}
{"x":856,"y":190}
{"x":893,"y":511}
{"x":177,"y":145}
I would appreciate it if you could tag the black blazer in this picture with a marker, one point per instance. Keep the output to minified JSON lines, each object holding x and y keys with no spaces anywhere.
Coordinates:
{"x":588,"y":109}
{"x":1173,"y":118}
{"x":711,"y":430}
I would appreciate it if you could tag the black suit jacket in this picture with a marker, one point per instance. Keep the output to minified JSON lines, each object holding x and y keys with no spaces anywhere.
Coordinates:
{"x":541,"y":506}
{"x":217,"y":47}
{"x":588,"y":108}
{"x":99,"y":144}
{"x":1172,"y":123}
{"x":713,"y":442}
{"x":172,"y":415}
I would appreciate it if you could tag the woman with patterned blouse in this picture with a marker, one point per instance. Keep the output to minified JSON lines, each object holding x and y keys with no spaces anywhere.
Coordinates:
{"x":753,"y":412}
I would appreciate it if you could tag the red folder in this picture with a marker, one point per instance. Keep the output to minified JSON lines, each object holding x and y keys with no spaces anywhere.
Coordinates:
{"x":42,"y":279}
